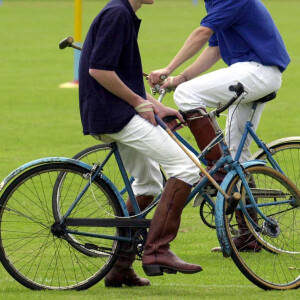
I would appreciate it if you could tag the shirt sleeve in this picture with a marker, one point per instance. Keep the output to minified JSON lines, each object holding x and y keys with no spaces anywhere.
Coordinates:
{"x":213,"y":41}
{"x":111,"y":36}
{"x":222,"y":14}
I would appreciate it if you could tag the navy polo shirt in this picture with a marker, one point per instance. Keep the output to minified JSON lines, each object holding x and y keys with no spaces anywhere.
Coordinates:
{"x":245,"y":31}
{"x":110,"y":44}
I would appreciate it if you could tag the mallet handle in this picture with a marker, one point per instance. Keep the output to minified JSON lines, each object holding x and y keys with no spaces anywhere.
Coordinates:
{"x":196,"y":162}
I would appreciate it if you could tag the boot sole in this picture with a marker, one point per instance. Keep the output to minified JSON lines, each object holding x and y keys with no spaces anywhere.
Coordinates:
{"x":158,"y":270}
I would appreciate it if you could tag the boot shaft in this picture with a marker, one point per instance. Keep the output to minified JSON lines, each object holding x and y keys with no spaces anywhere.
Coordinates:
{"x":204,"y":132}
{"x":166,"y":220}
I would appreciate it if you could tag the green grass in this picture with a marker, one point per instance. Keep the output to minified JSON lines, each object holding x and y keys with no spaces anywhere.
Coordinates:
{"x":38,"y":120}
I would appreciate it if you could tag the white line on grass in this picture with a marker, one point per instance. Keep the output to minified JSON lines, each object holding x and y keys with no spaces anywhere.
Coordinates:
{"x":207,"y":285}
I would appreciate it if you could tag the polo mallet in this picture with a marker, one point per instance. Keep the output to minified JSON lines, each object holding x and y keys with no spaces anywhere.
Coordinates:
{"x":68,"y":42}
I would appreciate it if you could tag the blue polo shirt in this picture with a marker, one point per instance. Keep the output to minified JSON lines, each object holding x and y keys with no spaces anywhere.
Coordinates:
{"x":245,"y":31}
{"x":110,"y":44}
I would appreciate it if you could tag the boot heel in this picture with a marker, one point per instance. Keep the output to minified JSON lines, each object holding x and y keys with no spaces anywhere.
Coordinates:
{"x":153,"y":270}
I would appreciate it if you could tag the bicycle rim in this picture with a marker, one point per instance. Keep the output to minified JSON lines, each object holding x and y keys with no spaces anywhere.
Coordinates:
{"x":34,"y":254}
{"x":288,"y":158}
{"x":97,"y":154}
{"x":274,"y":262}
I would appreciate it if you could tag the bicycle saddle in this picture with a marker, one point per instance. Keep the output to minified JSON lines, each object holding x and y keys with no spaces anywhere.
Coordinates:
{"x":267,"y":98}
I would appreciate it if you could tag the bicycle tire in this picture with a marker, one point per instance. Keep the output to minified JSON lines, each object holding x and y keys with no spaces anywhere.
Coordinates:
{"x":37,"y":256}
{"x":287,"y":155}
{"x":96,"y":154}
{"x":267,"y":268}
{"x":207,"y":214}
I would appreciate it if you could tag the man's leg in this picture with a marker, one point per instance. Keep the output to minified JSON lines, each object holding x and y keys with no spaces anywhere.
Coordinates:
{"x":147,"y":184}
{"x":235,"y":125}
{"x":165,"y":223}
{"x":213,"y":88}
{"x":122,"y":272}
{"x":155,"y":143}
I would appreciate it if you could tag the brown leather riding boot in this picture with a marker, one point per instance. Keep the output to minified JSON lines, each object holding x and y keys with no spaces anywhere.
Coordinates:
{"x":122,"y":272}
{"x":164,"y":226}
{"x":204,"y":132}
{"x":246,"y":241}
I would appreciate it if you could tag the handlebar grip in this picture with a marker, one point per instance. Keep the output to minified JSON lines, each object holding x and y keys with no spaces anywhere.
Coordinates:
{"x":238,"y":88}
{"x":66,"y":42}
{"x":169,"y":119}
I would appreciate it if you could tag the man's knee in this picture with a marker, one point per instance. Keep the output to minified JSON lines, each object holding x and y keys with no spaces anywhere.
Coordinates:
{"x":179,"y":96}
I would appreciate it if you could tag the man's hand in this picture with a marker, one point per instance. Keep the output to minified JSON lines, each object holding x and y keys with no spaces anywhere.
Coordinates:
{"x":146,"y":110}
{"x":167,"y":111}
{"x":155,"y":77}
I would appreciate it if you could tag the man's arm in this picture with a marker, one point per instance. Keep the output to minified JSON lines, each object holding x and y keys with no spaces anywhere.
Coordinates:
{"x":205,"y":61}
{"x":194,"y":43}
{"x":111,"y":81}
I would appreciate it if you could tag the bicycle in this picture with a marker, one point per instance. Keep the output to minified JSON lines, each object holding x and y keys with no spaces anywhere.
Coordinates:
{"x":282,"y":155}
{"x":52,"y":237}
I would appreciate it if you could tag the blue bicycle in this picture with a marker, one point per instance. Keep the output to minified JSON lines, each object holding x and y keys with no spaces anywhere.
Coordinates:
{"x":62,"y":221}
{"x":282,"y":155}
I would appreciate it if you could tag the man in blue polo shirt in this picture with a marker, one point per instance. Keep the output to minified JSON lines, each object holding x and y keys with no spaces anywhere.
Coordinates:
{"x":115,"y":106}
{"x":244,"y":35}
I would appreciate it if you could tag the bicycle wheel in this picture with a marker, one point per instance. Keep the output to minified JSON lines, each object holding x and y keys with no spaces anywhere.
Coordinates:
{"x":287,"y":156}
{"x":274,"y":262}
{"x":33,"y":251}
{"x":207,"y":214}
{"x":97,"y":154}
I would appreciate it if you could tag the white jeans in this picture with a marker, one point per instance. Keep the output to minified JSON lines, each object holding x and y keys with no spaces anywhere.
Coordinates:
{"x":143,"y":147}
{"x":212,"y":88}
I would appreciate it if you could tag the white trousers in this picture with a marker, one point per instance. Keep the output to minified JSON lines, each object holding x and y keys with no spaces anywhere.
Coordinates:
{"x":143,"y":147}
{"x":212,"y":88}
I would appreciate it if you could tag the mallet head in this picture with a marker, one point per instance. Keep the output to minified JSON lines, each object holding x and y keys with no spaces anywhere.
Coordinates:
{"x":67,"y":42}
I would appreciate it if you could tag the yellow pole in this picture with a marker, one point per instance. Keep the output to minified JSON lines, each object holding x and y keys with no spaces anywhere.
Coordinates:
{"x":77,"y":36}
{"x":78,"y":21}
{"x":77,"y":41}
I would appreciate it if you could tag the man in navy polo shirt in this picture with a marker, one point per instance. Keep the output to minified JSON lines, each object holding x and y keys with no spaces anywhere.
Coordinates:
{"x":243,"y":34}
{"x":115,"y":106}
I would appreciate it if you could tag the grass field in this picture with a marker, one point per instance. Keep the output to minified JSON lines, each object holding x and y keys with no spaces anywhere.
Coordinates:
{"x":38,"y":120}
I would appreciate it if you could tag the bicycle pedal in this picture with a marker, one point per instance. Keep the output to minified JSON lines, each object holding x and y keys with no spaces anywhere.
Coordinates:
{"x":210,"y":190}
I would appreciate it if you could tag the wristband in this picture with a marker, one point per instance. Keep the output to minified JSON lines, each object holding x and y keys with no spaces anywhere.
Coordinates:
{"x":185,"y":78}
{"x":139,"y":108}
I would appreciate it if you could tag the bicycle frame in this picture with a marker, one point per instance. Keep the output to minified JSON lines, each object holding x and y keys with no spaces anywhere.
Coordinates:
{"x":248,"y":130}
{"x":138,"y":219}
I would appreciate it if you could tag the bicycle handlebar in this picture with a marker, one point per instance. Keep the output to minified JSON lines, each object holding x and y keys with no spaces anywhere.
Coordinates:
{"x":238,"y":89}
